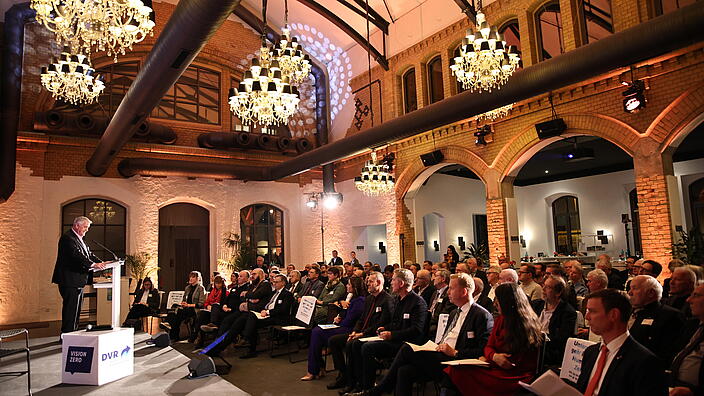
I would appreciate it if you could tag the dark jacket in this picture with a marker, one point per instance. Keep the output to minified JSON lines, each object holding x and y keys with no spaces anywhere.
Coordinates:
{"x":408,"y":318}
{"x":153,"y":301}
{"x":474,"y":333}
{"x":442,"y":306}
{"x":427,"y":294}
{"x":689,"y":329}
{"x":281,"y":313}
{"x":634,"y":371}
{"x":680,"y":303}
{"x":561,"y":328}
{"x":311,"y":288}
{"x":258,"y":296}
{"x":296,"y":291}
{"x":617,"y":279}
{"x":656,"y":327}
{"x":72,"y":261}
{"x":236,"y":295}
{"x":335,"y":261}
{"x":380,"y":309}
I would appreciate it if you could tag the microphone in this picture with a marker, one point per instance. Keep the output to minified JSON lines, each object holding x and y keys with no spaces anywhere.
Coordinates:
{"x":109,"y":251}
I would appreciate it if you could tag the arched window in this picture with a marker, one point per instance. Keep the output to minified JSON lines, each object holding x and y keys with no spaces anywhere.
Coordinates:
{"x":510,"y":34}
{"x":635,"y":218}
{"x":661,"y":7}
{"x":108,"y":228}
{"x":435,"y":89}
{"x":598,"y":19}
{"x":549,"y":23}
{"x":194,"y":97}
{"x":410,"y":99}
{"x":118,"y":77}
{"x":565,"y":218}
{"x":262,"y":228}
{"x":696,"y":202}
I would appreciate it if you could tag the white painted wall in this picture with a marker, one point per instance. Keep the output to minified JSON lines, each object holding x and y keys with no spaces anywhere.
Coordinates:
{"x":376,"y":234}
{"x":687,"y":172}
{"x":454,"y":198}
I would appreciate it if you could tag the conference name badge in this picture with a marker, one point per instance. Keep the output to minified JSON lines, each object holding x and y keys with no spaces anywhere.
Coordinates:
{"x":647,"y":322}
{"x":378,"y":309}
{"x":331,"y":292}
{"x":439,"y":300}
{"x":470,"y":334}
{"x":278,"y":302}
{"x":406,"y":316}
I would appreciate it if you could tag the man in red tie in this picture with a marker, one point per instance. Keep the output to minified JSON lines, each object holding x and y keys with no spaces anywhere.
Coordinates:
{"x":619,"y":365}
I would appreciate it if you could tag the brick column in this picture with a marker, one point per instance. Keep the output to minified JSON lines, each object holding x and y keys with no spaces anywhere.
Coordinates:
{"x":501,"y":218}
{"x":403,"y":226}
{"x":652,"y":171}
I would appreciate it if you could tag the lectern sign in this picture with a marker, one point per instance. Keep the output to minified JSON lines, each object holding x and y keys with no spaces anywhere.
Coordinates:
{"x":79,"y":359}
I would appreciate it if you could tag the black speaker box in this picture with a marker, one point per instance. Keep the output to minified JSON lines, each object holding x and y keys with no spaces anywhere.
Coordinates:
{"x":432,"y":158}
{"x":550,"y":128}
{"x":160,"y":340}
{"x":200,"y":365}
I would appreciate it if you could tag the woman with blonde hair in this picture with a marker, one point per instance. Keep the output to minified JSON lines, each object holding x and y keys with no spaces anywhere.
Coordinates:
{"x":512,"y":349}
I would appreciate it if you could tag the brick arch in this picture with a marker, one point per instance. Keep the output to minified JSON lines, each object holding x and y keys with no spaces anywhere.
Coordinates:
{"x":605,"y":127}
{"x":674,"y":123}
{"x":453,"y":155}
{"x":430,"y":56}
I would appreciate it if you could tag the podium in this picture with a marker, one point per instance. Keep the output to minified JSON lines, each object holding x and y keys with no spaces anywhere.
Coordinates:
{"x":116,"y":287}
{"x":99,"y":357}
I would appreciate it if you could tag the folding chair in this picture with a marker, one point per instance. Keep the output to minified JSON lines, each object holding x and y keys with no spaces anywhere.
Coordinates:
{"x":4,"y":334}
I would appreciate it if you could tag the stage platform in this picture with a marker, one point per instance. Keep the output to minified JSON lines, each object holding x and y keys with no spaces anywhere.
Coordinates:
{"x":157,"y":371}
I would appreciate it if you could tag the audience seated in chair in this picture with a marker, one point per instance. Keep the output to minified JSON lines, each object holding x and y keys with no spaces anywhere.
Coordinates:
{"x":376,"y":314}
{"x":212,"y":309}
{"x":193,"y":298}
{"x":619,"y":365}
{"x":527,"y":276}
{"x":687,"y":370}
{"x":333,"y":292}
{"x":480,"y":295}
{"x":681,"y":286}
{"x":146,"y":302}
{"x":352,"y":311}
{"x":512,"y":348}
{"x":407,"y":324}
{"x":424,"y":286}
{"x":465,"y":337}
{"x":654,"y":325}
{"x":440,"y":303}
{"x":557,"y":319}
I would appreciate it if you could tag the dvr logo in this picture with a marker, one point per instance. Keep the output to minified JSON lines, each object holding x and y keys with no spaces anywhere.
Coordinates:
{"x":115,"y":354}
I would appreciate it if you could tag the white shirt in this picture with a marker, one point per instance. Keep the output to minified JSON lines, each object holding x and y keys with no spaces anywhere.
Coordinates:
{"x":80,"y":238}
{"x":452,"y":335}
{"x":437,"y":300}
{"x":545,"y":317}
{"x":613,"y":348}
{"x":492,"y":292}
{"x":145,"y":296}
{"x":272,"y":302}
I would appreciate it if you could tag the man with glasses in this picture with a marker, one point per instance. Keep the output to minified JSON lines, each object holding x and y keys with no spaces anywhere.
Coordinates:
{"x":532,"y":289}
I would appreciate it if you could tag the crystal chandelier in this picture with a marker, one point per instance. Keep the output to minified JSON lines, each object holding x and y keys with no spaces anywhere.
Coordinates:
{"x":108,"y":25}
{"x":376,"y":178}
{"x":72,"y":79}
{"x":294,"y":64}
{"x":492,"y":115}
{"x":264,"y":97}
{"x":485,"y":62}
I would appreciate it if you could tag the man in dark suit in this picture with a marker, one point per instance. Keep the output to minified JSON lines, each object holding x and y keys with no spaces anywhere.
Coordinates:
{"x":335,"y":260}
{"x":687,"y":369}
{"x":653,"y":324}
{"x":294,"y":284}
{"x":376,"y":313}
{"x":560,"y":316}
{"x":74,"y":262}
{"x":465,"y":336}
{"x":275,"y":310}
{"x":424,"y":286}
{"x":313,"y":285}
{"x":440,"y":303}
{"x":407,"y":324}
{"x":619,"y":365}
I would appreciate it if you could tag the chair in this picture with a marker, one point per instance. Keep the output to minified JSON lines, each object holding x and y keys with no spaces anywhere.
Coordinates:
{"x":9,"y":352}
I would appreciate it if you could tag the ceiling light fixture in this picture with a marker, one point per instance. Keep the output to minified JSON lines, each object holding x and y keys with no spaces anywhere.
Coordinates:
{"x":111,"y":26}
{"x":72,"y":79}
{"x":376,"y":178}
{"x":294,"y":64}
{"x":485,"y":61}
{"x":495,"y":114}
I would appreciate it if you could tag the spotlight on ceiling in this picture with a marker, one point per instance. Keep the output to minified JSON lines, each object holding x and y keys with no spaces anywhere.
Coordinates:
{"x":578,"y":154}
{"x":634,"y":97}
{"x":332,"y":200}
{"x":481,"y":134}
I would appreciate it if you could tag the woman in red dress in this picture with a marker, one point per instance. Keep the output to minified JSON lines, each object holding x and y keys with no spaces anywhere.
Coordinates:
{"x":512,"y":349}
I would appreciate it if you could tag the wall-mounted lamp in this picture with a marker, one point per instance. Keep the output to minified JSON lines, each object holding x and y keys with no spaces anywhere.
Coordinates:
{"x":312,"y":201}
{"x":436,"y":246}
{"x":382,"y":248}
{"x":522,"y":240}
{"x":460,"y":241}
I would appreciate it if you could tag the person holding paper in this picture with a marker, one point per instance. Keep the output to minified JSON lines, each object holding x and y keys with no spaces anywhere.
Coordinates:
{"x":333,"y":292}
{"x":376,"y":313}
{"x":74,"y":263}
{"x":464,"y":338}
{"x":407,"y":324}
{"x":512,"y":348}
{"x":440,"y":303}
{"x":619,"y":365}
{"x":319,"y":336}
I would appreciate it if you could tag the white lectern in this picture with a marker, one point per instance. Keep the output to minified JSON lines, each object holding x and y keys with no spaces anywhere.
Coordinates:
{"x":99,"y":357}
{"x":114,"y":284}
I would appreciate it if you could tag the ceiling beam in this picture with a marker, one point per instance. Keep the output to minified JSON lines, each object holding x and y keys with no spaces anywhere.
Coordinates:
{"x":468,"y":9}
{"x":375,"y":18}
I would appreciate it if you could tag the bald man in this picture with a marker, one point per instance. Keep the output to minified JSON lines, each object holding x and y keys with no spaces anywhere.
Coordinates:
{"x":424,"y":286}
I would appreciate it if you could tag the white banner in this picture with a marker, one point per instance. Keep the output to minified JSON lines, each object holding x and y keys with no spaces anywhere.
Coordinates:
{"x":306,"y":309}
{"x":175,"y":298}
{"x":572,"y":360}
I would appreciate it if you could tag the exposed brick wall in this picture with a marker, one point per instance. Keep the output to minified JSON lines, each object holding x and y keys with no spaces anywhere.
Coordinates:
{"x":498,"y":231}
{"x":654,"y":212}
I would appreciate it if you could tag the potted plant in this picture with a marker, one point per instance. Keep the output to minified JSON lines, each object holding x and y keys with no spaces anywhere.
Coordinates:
{"x":479,"y":252}
{"x":241,"y":256}
{"x":690,"y":247}
{"x":138,"y":266}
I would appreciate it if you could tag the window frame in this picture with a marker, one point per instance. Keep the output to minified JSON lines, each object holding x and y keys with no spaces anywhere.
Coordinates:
{"x":405,"y":91}
{"x":539,"y":30}
{"x":173,"y":94}
{"x":429,"y":73}
{"x":585,"y":21}
{"x":248,"y":231}
{"x":100,"y":252}
{"x":571,"y":232}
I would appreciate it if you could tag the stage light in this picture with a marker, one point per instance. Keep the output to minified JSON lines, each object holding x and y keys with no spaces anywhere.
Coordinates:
{"x":481,"y":135}
{"x":634,"y":97}
{"x":312,"y":202}
{"x":332,"y":200}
